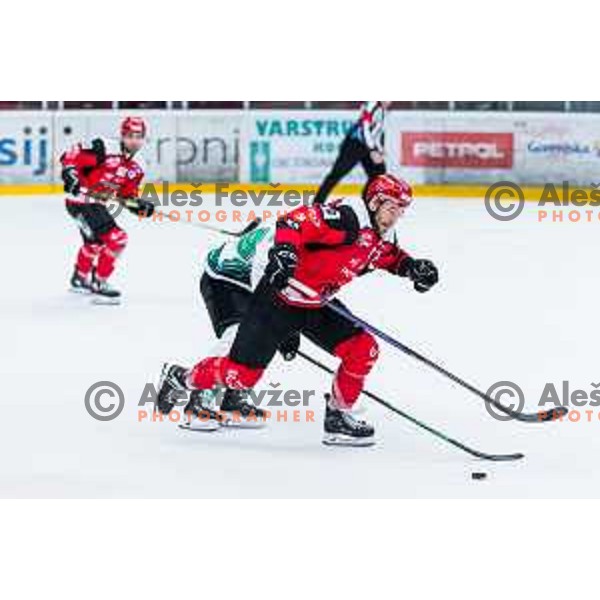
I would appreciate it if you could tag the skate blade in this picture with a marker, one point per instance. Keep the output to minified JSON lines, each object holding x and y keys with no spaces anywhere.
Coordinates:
{"x":241,"y":423}
{"x":200,"y":426}
{"x":104,"y":301}
{"x":80,"y":291}
{"x":338,"y":439}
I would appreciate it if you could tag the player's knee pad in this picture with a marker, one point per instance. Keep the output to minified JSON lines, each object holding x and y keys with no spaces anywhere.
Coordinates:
{"x":237,"y":376}
{"x":223,"y":371}
{"x":86,"y":258}
{"x":114,"y":240}
{"x":358,"y":353}
{"x":91,"y":250}
{"x":88,"y":253}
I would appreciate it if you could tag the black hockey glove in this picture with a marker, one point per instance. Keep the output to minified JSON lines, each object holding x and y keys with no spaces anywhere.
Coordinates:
{"x":71,"y":181}
{"x":99,"y":149}
{"x":422,"y":272}
{"x":289,"y":348}
{"x":140,"y":207}
{"x":282,"y":265}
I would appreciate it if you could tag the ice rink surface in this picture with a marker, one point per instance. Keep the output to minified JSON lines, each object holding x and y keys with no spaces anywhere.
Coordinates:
{"x":516,"y":302}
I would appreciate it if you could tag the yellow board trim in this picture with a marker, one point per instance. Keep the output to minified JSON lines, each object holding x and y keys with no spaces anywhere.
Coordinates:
{"x":531,"y":193}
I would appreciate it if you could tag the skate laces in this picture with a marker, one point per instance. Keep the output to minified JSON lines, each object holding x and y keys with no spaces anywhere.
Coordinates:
{"x":349,"y":417}
{"x":102,"y":285}
{"x":178,"y":376}
{"x":241,"y":397}
{"x":244,"y":398}
{"x":207,"y":399}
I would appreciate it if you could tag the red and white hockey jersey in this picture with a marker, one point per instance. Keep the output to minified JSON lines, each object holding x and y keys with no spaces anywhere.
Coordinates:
{"x":118,"y":173}
{"x":335,"y":243}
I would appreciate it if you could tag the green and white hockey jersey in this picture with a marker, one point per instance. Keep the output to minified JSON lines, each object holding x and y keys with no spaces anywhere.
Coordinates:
{"x":242,"y":260}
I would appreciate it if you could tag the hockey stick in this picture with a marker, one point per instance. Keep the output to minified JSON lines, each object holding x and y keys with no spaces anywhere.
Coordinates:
{"x":236,"y":234}
{"x":540,"y":416}
{"x":415,"y":421}
{"x":537,"y":417}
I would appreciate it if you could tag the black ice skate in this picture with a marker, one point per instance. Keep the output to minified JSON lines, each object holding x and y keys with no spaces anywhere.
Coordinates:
{"x":343,"y":429}
{"x":200,"y":413}
{"x":239,"y":411}
{"x":80,"y":284}
{"x":171,"y":388}
{"x":103,"y":292}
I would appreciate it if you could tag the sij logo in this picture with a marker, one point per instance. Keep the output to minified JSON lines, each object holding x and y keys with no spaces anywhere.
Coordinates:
{"x":30,"y":150}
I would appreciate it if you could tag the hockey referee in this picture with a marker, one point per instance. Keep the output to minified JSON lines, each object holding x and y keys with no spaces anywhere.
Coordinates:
{"x":363,"y":144}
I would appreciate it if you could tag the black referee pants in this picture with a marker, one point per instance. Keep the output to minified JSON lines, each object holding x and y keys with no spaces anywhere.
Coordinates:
{"x":352,"y":152}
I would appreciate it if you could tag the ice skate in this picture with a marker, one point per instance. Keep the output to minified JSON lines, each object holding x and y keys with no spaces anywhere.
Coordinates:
{"x":171,"y":388}
{"x":342,"y":428}
{"x":200,"y":413}
{"x":103,"y":292}
{"x":80,"y":284}
{"x":238,"y":411}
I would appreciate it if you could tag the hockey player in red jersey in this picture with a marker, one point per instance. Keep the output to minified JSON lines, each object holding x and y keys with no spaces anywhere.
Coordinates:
{"x":91,"y":176}
{"x":321,"y":247}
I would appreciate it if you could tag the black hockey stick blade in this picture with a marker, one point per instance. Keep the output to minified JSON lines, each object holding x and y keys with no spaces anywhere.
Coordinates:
{"x":421,"y":424}
{"x":541,"y":416}
{"x":497,"y":457}
{"x":473,"y":452}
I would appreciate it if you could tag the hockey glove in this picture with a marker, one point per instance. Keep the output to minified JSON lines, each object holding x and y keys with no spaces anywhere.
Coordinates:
{"x":422,"y":272}
{"x":282,"y":265}
{"x":99,"y":150}
{"x":71,"y":181}
{"x":289,"y":348}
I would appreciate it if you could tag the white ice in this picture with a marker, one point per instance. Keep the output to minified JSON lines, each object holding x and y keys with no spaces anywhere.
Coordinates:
{"x":516,"y":302}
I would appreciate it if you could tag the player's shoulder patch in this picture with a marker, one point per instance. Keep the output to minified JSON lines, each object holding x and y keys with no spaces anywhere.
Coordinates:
{"x":341,"y":216}
{"x":356,"y":207}
{"x":330,"y":213}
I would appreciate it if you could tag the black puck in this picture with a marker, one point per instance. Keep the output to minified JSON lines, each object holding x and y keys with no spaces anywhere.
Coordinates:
{"x":478,"y":475}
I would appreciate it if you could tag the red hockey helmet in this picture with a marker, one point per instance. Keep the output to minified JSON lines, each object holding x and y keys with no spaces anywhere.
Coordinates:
{"x":133,"y":125}
{"x":388,"y":187}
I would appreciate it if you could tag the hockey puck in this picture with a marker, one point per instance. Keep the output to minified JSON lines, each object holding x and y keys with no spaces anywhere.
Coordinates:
{"x":478,"y":475}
